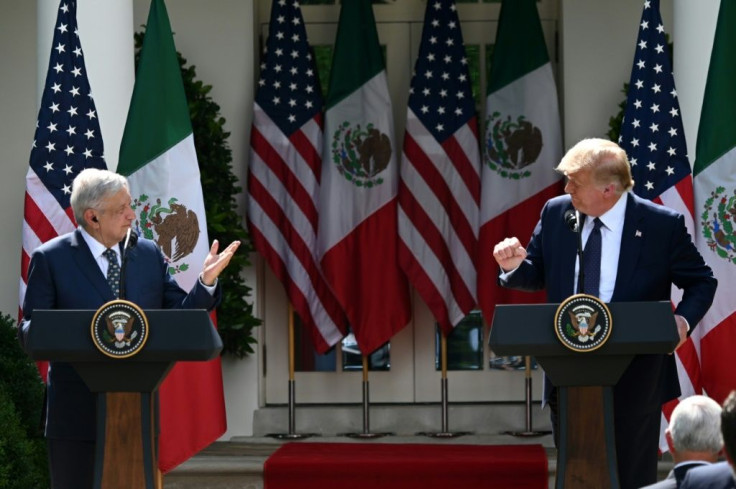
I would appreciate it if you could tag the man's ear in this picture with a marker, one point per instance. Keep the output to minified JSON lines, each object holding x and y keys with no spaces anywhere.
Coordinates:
{"x":670,"y":443}
{"x":90,"y":218}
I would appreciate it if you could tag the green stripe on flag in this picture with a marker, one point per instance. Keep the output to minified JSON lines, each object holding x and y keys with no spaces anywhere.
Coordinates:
{"x":519,"y":30}
{"x":158,"y":117}
{"x":717,"y":129}
{"x":357,"y":57}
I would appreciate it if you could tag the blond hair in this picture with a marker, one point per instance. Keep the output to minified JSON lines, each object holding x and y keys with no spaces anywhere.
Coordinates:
{"x":605,"y":159}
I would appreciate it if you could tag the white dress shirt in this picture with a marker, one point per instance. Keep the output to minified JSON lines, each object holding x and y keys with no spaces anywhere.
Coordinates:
{"x":611,"y":232}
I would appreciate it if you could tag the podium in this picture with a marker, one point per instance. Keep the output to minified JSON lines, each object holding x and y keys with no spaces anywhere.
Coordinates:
{"x":586,"y":453}
{"x":126,"y":428}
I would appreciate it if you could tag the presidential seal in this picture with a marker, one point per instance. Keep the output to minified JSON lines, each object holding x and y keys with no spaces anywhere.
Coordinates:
{"x":583,"y":323}
{"x":119,"y":329}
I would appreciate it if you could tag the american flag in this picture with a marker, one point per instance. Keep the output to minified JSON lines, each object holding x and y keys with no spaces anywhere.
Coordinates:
{"x":284,"y":173}
{"x":653,"y":137}
{"x":67,"y":140}
{"x":439,"y":192}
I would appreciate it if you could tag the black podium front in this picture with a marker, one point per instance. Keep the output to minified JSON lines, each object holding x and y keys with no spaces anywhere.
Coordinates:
{"x":126,"y":451}
{"x":586,"y":455}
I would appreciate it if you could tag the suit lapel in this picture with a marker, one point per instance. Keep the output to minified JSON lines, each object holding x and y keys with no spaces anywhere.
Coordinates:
{"x":89,"y":267}
{"x":631,"y":245}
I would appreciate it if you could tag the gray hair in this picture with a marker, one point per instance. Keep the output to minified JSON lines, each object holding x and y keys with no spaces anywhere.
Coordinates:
{"x":91,"y":187}
{"x":695,"y":425}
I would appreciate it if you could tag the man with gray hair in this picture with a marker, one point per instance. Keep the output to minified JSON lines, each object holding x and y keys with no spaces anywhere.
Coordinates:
{"x":83,"y":270}
{"x":693,"y":437}
{"x":723,"y":474}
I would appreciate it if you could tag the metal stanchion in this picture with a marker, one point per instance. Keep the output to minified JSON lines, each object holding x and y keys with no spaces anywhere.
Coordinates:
{"x":529,"y":432}
{"x":291,"y":434}
{"x":445,"y":433}
{"x":366,"y":434}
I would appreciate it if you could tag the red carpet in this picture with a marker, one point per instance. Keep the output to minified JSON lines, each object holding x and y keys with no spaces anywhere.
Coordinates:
{"x":405,"y":466}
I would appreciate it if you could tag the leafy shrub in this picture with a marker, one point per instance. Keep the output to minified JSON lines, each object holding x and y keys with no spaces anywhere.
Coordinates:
{"x":23,"y":463}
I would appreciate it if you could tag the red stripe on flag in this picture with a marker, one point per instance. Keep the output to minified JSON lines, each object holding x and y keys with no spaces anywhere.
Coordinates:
{"x":291,"y":183}
{"x":296,"y":297}
{"x":685,"y":189}
{"x":300,"y":250}
{"x":425,"y":287}
{"x":465,"y":168}
{"x":457,"y":219}
{"x":311,"y":155}
{"x":425,"y":226}
{"x":37,"y":221}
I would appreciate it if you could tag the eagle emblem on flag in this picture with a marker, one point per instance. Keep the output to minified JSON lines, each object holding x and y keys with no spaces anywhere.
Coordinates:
{"x":717,"y":223}
{"x":361,"y":155}
{"x":173,"y":227}
{"x":512,"y":145}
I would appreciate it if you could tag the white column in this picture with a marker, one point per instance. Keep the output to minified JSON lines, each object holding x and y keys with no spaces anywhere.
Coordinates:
{"x":106,"y":33}
{"x":694,"y":28}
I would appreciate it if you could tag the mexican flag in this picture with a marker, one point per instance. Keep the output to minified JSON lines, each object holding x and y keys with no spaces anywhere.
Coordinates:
{"x":357,"y":213}
{"x":521,"y":147}
{"x":714,"y":185}
{"x":157,"y":155}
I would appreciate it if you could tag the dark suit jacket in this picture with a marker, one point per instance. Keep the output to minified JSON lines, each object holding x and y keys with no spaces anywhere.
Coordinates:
{"x":716,"y":476}
{"x":63,"y":274}
{"x":674,"y":478}
{"x":656,"y":252}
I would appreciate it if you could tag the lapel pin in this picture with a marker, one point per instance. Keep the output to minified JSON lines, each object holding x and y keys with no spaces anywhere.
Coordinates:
{"x":637,"y":234}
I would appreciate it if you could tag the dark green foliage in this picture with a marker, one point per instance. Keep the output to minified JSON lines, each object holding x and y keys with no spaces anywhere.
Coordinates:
{"x":614,"y":123}
{"x":235,"y":320}
{"x":22,"y":446}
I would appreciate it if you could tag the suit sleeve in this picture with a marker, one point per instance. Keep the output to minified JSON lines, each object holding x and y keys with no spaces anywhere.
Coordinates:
{"x":529,"y":276}
{"x":691,"y":274}
{"x":40,"y":294}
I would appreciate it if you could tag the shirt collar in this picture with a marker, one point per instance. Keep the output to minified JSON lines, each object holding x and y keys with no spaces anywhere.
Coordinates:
{"x":614,"y":217}
{"x":95,"y":246}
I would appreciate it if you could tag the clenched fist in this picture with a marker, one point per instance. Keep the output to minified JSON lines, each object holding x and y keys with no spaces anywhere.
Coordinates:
{"x":509,"y":254}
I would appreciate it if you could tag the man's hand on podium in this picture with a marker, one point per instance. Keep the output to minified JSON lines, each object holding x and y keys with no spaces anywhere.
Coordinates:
{"x":682,"y":329}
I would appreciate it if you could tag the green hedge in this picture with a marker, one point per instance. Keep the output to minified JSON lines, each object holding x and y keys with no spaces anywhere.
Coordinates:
{"x":23,"y":463}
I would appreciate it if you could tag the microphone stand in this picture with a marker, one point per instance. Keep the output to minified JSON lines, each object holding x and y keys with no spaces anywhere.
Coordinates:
{"x":581,"y":268}
{"x":124,"y":258}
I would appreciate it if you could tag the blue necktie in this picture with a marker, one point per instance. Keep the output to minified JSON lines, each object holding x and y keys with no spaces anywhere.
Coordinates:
{"x":113,"y":271}
{"x":592,"y":260}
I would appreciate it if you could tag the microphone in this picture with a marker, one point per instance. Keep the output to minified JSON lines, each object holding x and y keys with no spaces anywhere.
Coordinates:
{"x":131,"y":239}
{"x":572,"y":219}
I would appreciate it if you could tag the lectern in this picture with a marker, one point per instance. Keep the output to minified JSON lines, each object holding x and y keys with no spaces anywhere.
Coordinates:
{"x":126,"y":451}
{"x":586,"y":455}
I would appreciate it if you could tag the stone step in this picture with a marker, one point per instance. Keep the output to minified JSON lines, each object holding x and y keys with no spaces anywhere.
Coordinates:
{"x":238,"y":463}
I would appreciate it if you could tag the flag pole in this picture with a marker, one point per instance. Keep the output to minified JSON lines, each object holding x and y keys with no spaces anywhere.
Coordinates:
{"x":445,"y":433}
{"x":291,"y":434}
{"x":529,"y":432}
{"x":366,"y":433}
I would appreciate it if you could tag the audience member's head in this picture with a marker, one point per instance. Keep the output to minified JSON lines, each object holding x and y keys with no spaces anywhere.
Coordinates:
{"x":694,"y":432}
{"x":728,"y":427}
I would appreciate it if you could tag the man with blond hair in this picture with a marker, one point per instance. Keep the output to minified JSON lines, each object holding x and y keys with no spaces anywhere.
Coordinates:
{"x":642,"y":249}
